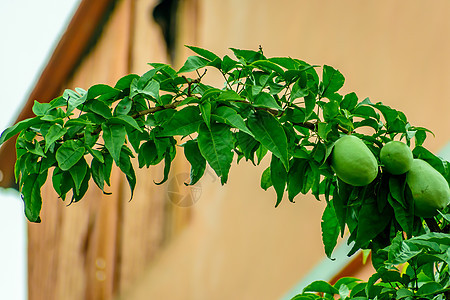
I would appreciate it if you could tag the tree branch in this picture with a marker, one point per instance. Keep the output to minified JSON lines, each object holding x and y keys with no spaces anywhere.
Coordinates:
{"x":155,"y":109}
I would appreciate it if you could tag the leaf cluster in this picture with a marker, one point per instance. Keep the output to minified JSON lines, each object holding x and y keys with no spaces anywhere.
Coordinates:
{"x":281,"y":108}
{"x":416,"y":268}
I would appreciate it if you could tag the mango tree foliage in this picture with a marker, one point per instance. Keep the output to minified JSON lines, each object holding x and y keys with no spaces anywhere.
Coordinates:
{"x":279,"y":109}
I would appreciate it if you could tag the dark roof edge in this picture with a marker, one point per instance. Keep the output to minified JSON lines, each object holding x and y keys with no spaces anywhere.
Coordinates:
{"x":73,"y":45}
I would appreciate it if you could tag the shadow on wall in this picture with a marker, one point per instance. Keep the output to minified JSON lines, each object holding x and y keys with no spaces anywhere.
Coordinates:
{"x":164,"y":15}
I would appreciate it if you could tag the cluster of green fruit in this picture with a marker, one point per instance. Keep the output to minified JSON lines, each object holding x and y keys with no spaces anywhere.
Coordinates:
{"x":355,"y":164}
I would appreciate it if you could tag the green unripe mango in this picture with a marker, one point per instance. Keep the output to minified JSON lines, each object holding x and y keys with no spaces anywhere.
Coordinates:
{"x":429,"y":189}
{"x":396,"y":157}
{"x":353,"y":162}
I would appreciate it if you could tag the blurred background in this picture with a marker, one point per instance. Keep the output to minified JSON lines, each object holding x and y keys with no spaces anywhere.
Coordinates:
{"x":29,"y":32}
{"x":230,"y":241}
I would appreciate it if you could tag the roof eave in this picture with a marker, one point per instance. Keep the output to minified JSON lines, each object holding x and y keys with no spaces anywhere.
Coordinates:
{"x":65,"y":57}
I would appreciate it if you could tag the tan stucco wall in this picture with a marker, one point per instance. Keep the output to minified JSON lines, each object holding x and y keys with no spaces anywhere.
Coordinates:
{"x":237,"y":245}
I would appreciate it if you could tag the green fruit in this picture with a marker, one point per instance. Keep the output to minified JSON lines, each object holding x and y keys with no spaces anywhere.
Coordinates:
{"x":396,"y":157}
{"x":429,"y":189}
{"x":353,"y":162}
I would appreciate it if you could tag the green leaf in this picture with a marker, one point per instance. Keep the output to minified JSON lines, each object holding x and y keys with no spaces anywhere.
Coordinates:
{"x":270,"y":133}
{"x":389,"y":114}
{"x":310,"y":103}
{"x":349,"y":102}
{"x":321,"y":286}
{"x":370,"y":222}
{"x":396,"y":188}
{"x":285,"y":62}
{"x":68,"y":154}
{"x":183,"y":122}
{"x":100,"y":108}
{"x":420,"y":136}
{"x":365,"y":111}
{"x":266,"y":100}
{"x":429,"y":288}
{"x":210,"y":93}
{"x":216,"y":144}
{"x":260,"y":153}
{"x":126,"y":167}
{"x":62,"y":182}
{"x":266,"y":180}
{"x":330,"y":229}
{"x":310,"y":177}
{"x":230,"y":95}
{"x":203,"y":52}
{"x":148,"y":154}
{"x":135,"y":137}
{"x":166,"y":99}
{"x":18,"y":127}
{"x":168,"y":157}
{"x":31,"y":195}
{"x":295,"y":115}
{"x":145,"y":79}
{"x":359,"y":290}
{"x":193,"y":63}
{"x":40,"y":109}
{"x":424,"y":154}
{"x":58,"y":102}
{"x":36,"y":148}
{"x":107,"y":167}
{"x":123,"y":107}
{"x":162,"y":116}
{"x":125,"y":82}
{"x":228,"y":64}
{"x":165,"y":70}
{"x":350,"y":282}
{"x":293,"y":75}
{"x":247,"y":144}
{"x":96,"y":154}
{"x":151,"y":89}
{"x":298,"y":91}
{"x":267,"y":65}
{"x":435,"y":237}
{"x":78,"y":122}
{"x":333,"y":80}
{"x":295,"y":177}
{"x":404,"y":293}
{"x":306,"y":296}
{"x":78,"y":195}
{"x":114,"y":137}
{"x":369,"y":123}
{"x":205,"y":109}
{"x":248,"y":56}
{"x":78,"y":172}
{"x":54,"y":133}
{"x":404,"y":217}
{"x":146,"y":86}
{"x":125,"y":120}
{"x":278,"y":176}
{"x":195,"y":158}
{"x":371,"y":288}
{"x":229,"y":116}
{"x":97,"y":169}
{"x":73,"y":100}
{"x":54,"y":119}
{"x":399,"y":252}
{"x":330,"y":110}
{"x":107,"y":92}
